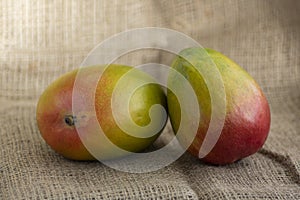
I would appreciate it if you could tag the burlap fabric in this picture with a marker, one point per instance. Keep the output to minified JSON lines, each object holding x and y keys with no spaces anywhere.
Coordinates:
{"x":40,"y":40}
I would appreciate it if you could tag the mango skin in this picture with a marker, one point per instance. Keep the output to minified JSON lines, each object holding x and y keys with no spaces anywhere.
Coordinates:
{"x":247,"y":120}
{"x":55,"y":104}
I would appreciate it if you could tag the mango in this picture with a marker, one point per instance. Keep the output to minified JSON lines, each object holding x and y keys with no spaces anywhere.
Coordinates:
{"x":247,"y":112}
{"x":59,"y":125}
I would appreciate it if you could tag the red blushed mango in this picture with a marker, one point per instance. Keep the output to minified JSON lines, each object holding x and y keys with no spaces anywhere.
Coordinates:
{"x":247,"y":119}
{"x":59,"y":125}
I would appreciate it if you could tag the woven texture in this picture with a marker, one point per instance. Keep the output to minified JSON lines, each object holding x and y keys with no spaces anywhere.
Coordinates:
{"x":40,"y":40}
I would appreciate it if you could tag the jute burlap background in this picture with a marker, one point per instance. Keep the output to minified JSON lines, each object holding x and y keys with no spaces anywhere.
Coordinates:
{"x":40,"y":40}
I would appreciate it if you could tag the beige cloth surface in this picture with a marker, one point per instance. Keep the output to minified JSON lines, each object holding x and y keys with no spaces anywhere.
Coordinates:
{"x":40,"y":40}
